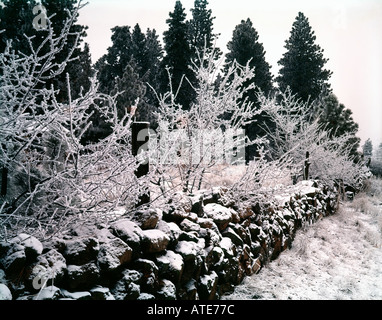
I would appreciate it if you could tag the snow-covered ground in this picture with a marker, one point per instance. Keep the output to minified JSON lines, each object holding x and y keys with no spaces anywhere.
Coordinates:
{"x":339,"y":257}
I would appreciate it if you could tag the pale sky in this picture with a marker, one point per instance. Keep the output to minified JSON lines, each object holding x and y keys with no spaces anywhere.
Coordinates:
{"x":349,"y":31}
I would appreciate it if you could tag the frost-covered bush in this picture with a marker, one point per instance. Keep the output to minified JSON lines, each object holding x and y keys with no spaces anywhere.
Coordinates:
{"x":295,"y":134}
{"x":53,"y":178}
{"x":196,"y":141}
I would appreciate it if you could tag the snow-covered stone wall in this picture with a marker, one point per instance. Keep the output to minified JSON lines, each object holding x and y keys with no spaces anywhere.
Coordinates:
{"x":197,"y":253}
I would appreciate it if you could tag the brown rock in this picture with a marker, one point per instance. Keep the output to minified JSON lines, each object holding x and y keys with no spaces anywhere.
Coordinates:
{"x":154,"y":241}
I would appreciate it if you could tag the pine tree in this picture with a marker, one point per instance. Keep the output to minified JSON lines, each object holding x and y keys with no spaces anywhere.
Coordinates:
{"x":17,"y":22}
{"x":302,"y":65}
{"x":178,"y":58}
{"x":82,"y":71}
{"x":200,"y":30}
{"x":131,"y":88}
{"x":337,"y":119}
{"x":367,"y":149}
{"x":245,"y":48}
{"x":153,"y":54}
{"x":16,"y":17}
{"x":138,"y":42}
{"x":133,"y":58}
{"x":147,"y":53}
{"x":112,"y":65}
{"x":378,"y":153}
{"x":60,"y":10}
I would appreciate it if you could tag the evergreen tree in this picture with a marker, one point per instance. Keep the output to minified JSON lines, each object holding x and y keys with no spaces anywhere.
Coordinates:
{"x":17,"y":22}
{"x":131,"y":87}
{"x":153,"y":54}
{"x":147,"y":53}
{"x":133,"y":58}
{"x":200,"y":30}
{"x":112,"y":65}
{"x":81,"y":73}
{"x":367,"y":149}
{"x":16,"y":17}
{"x":178,"y":58}
{"x":337,"y":119}
{"x":378,"y":153}
{"x":245,"y":48}
{"x":60,"y":10}
{"x":302,"y":65}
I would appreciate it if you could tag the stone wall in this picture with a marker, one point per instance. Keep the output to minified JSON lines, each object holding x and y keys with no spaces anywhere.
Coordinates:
{"x":198,"y":252}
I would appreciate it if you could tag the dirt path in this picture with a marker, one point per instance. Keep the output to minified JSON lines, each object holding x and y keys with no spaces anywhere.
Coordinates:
{"x":339,"y":257}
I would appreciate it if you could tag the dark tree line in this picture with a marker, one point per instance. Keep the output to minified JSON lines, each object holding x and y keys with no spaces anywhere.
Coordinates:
{"x":16,"y":17}
{"x":137,"y":62}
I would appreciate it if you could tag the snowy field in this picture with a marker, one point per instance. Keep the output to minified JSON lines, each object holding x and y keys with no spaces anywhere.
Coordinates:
{"x":338,"y":258}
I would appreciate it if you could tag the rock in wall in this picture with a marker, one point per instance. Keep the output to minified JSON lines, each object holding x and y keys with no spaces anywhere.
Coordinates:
{"x":198,"y":252}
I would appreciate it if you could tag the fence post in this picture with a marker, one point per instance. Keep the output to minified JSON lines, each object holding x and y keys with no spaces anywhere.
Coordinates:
{"x":139,"y":140}
{"x":306,"y":166}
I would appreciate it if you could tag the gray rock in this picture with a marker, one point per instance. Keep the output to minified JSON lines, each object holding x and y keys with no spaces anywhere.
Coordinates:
{"x":5,"y":293}
{"x":170,"y":266}
{"x":82,"y":277}
{"x":150,"y":271}
{"x":32,"y":246}
{"x":207,"y":287}
{"x":154,"y":241}
{"x":104,"y":235}
{"x":146,"y":219}
{"x":15,"y":261}
{"x":213,"y":237}
{"x":197,"y":204}
{"x":194,"y":256}
{"x":230,"y":233}
{"x":49,"y":293}
{"x":189,"y":236}
{"x":81,"y":295}
{"x":188,"y":250}
{"x":146,"y":296}
{"x":133,"y":275}
{"x":128,"y":287}
{"x":187,"y":225}
{"x":171,"y":229}
{"x":129,"y":232}
{"x":2,"y":277}
{"x":167,"y":290}
{"x":206,"y":223}
{"x":101,"y":293}
{"x":228,"y":247}
{"x":257,"y":233}
{"x":114,"y":254}
{"x":221,"y":216}
{"x":215,"y":256}
{"x":176,"y":215}
{"x":190,"y":291}
{"x":133,"y":291}
{"x":81,"y":250}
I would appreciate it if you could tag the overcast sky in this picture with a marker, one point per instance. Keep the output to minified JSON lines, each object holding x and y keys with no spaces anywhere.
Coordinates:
{"x":349,"y":31}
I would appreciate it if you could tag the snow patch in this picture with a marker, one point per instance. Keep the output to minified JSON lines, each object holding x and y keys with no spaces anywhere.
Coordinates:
{"x":5,"y":293}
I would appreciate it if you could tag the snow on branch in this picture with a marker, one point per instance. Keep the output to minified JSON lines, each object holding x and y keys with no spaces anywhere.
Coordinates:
{"x":211,"y":132}
{"x":295,"y":134}
{"x":54,"y":178}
